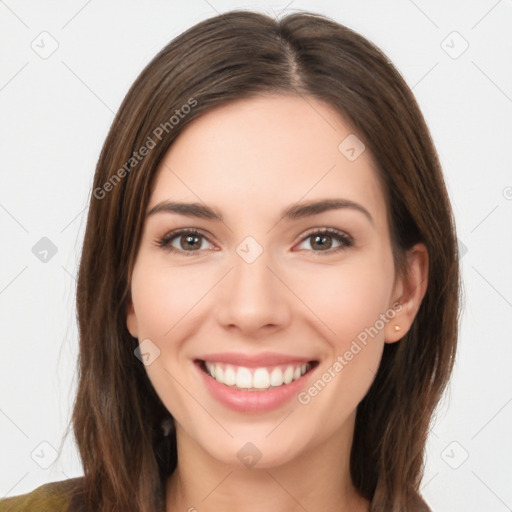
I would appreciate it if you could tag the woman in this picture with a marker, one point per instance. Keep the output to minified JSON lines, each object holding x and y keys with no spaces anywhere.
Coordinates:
{"x":268,"y":290}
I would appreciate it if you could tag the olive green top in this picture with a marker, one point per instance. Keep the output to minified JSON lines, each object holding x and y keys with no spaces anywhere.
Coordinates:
{"x":57,"y":497}
{"x":50,"y":497}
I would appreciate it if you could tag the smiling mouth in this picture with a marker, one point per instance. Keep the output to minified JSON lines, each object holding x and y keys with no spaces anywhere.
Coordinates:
{"x":255,"y":379}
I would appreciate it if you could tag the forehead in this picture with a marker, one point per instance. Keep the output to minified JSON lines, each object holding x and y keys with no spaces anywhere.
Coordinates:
{"x":252,"y":155}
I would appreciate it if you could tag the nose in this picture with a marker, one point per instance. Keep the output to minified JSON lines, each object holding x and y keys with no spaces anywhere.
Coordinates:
{"x":252,"y":299}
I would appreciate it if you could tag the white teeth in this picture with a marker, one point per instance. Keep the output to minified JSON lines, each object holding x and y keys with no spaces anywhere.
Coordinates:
{"x":259,"y":378}
{"x":276,"y":377}
{"x":243,"y":378}
{"x":211,"y":368}
{"x":288,"y":375}
{"x":229,"y":376}
{"x":219,"y":373}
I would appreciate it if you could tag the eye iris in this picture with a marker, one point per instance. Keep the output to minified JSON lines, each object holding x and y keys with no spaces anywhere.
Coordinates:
{"x":191,"y":242}
{"x":321,"y":240}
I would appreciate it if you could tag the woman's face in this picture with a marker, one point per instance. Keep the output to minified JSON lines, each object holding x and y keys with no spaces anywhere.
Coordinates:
{"x":258,"y":293}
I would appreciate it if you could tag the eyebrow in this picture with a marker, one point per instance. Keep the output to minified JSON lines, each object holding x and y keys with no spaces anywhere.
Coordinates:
{"x":296,"y":211}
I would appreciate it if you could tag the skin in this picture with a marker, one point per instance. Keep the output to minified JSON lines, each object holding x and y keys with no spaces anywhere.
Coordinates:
{"x":250,"y":159}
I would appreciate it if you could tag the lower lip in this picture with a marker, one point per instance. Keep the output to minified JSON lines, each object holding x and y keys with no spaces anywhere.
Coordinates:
{"x":253,"y":401}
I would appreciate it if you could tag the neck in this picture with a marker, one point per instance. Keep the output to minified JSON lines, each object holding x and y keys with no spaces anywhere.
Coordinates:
{"x":317,"y":479}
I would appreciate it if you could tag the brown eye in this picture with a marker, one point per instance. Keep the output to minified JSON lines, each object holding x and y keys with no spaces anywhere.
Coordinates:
{"x":185,"y":241}
{"x":321,"y":242}
{"x":326,"y":240}
{"x":189,"y":242}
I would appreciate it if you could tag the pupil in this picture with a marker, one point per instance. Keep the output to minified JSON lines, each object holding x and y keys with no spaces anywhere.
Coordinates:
{"x":322,"y":240}
{"x":190,"y":240}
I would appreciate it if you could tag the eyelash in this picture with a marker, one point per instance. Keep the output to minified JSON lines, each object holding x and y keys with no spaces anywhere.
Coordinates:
{"x":344,"y":239}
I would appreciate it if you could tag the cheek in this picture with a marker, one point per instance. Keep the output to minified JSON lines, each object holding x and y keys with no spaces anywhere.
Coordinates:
{"x":163,"y":300}
{"x":352,"y":302}
{"x":162,"y":296}
{"x":348,"y":299}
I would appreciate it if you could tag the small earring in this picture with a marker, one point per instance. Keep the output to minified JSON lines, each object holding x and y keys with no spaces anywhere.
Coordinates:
{"x":397,"y":328}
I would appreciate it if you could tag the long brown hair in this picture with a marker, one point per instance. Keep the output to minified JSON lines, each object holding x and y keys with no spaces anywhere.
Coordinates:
{"x":117,"y":414}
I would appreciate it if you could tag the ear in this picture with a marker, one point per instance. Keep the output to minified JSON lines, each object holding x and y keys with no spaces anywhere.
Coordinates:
{"x":131,"y":320}
{"x":408,"y":293}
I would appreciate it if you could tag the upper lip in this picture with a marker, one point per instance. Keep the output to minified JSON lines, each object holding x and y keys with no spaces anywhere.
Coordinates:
{"x":254,"y":360}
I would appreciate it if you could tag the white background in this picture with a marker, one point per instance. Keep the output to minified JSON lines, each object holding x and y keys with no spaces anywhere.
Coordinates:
{"x":56,"y":113}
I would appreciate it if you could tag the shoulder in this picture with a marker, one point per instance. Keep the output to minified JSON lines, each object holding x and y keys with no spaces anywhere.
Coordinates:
{"x":50,"y":497}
